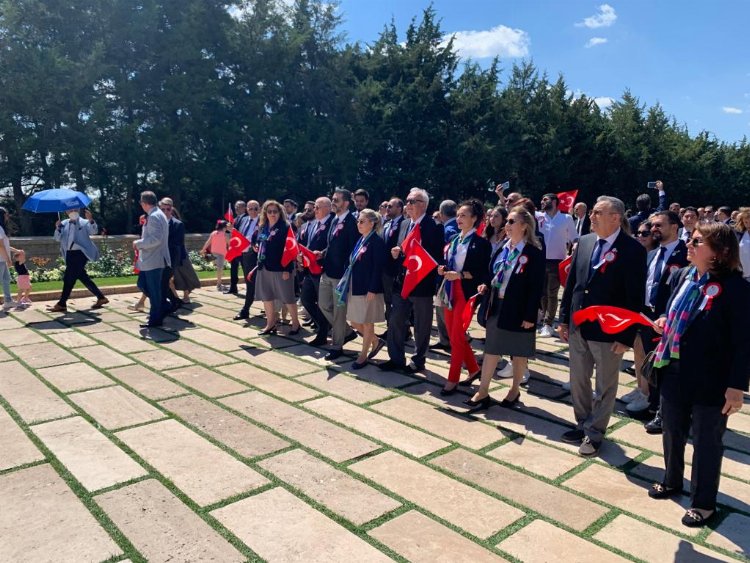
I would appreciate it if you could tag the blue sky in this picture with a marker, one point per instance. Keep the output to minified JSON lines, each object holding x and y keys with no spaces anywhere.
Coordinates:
{"x":690,"y":55}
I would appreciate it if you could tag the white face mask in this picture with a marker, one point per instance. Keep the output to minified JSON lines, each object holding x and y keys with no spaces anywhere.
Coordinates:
{"x":74,"y":216}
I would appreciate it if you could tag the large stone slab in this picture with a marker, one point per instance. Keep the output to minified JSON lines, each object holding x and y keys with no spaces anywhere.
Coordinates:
{"x":162,"y":528}
{"x":69,"y":338}
{"x":47,"y":521}
{"x":464,"y":506}
{"x":373,"y":374}
{"x":33,"y":400}
{"x":198,"y":353}
{"x":116,"y":407}
{"x":44,"y":354}
{"x":15,"y":447}
{"x":205,"y":381}
{"x":88,"y":454}
{"x":281,"y":528}
{"x":395,"y":434}
{"x":201,"y":470}
{"x":630,"y":494}
{"x":213,"y":339}
{"x":537,"y":458}
{"x":75,"y":377}
{"x":147,"y":383}
{"x":274,"y":384}
{"x":242,"y":436}
{"x":652,"y":544}
{"x":161,"y":360}
{"x":419,"y":539}
{"x":330,"y":440}
{"x":540,"y":542}
{"x":351,"y":389}
{"x":21,"y":336}
{"x":551,"y":501}
{"x":103,"y":357}
{"x":338,"y":491}
{"x":274,"y":361}
{"x":123,"y":342}
{"x":449,"y":425}
{"x":732,"y":535}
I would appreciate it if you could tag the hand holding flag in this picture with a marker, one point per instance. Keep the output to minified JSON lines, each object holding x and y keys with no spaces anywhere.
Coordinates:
{"x":310,"y":261}
{"x":291,"y":248}
{"x":469,"y":309}
{"x":612,"y":320}
{"x":237,"y":244}
{"x":563,"y":268}
{"x":418,"y":264}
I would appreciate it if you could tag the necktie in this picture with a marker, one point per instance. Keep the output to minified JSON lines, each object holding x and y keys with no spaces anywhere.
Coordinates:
{"x":333,"y":229}
{"x":657,"y":275}
{"x":596,"y":257}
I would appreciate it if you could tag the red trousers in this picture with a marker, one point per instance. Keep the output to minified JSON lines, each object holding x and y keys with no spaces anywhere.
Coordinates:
{"x":461,"y":353}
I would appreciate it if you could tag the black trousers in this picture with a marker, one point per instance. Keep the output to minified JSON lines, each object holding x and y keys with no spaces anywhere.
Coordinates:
{"x":170,"y":302}
{"x":249,"y":260}
{"x":75,"y":269}
{"x":705,"y":423}
{"x":309,"y":297}
{"x":398,"y":325}
{"x":234,"y":273}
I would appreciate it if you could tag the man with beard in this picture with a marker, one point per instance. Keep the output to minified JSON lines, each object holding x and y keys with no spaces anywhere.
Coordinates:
{"x":392,"y":230}
{"x":689,"y":221}
{"x":361,"y":199}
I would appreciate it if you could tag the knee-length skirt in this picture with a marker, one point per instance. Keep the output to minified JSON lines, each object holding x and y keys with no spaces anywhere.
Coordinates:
{"x":270,"y":286}
{"x":503,"y":342}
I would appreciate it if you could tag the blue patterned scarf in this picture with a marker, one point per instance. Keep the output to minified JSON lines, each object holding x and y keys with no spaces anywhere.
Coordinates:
{"x":342,"y":288}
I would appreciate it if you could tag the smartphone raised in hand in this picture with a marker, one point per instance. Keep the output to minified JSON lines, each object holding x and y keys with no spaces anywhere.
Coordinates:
{"x":651,"y":185}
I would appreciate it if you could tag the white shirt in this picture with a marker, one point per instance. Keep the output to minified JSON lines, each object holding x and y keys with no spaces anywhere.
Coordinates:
{"x":6,"y":243}
{"x":558,"y":232}
{"x":607,"y":245}
{"x":461,"y":249}
{"x":511,"y":266}
{"x":669,"y":249}
{"x":745,"y":254}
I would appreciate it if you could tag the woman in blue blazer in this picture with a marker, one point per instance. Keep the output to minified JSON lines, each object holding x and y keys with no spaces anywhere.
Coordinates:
{"x":361,"y":287}
{"x":517,"y":271}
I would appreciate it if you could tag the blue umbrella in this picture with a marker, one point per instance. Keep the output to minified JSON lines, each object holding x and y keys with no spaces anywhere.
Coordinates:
{"x":56,"y":200}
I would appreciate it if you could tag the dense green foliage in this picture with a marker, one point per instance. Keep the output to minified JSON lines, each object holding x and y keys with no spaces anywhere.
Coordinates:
{"x":211,"y":100}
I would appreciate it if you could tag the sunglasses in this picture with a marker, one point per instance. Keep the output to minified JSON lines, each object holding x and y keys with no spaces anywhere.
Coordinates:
{"x":643,"y":234}
{"x":510,"y":222}
{"x":272,"y":211}
{"x":253,"y":208}
{"x":695,"y":242}
{"x":413,"y":201}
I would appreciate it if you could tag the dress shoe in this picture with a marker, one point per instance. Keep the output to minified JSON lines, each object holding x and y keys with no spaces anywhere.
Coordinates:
{"x":573,"y":436}
{"x":333,"y":355}
{"x":241,"y":316}
{"x":660,"y":491}
{"x":471,"y":379}
{"x":267,"y":331}
{"x":351,"y":336}
{"x":294,"y":331}
{"x":654,"y":426}
{"x":480,"y":404}
{"x":694,"y":519}
{"x":510,"y":403}
{"x":376,"y":349}
{"x":230,"y":292}
{"x":149,"y":325}
{"x":57,"y":308}
{"x":390,"y":365}
{"x":100,"y":303}
{"x":630,"y":370}
{"x":358,"y":365}
{"x":319,"y":340}
{"x":413,"y":368}
{"x":589,"y":448}
{"x":445,"y":392}
{"x":439,"y":346}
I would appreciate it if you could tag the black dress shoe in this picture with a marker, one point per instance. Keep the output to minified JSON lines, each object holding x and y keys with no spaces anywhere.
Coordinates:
{"x":333,"y":355}
{"x":510,"y":404}
{"x":230,"y":292}
{"x":660,"y":491}
{"x":471,"y":379}
{"x":294,"y":331}
{"x":149,"y":325}
{"x":654,"y":426}
{"x":319,"y":340}
{"x":480,"y":404}
{"x":390,"y":365}
{"x":573,"y":436}
{"x":439,"y":346}
{"x":412,"y":369}
{"x":268,"y":331}
{"x":351,"y":336}
{"x":448,"y":392}
{"x":241,"y":317}
{"x":630,"y":370}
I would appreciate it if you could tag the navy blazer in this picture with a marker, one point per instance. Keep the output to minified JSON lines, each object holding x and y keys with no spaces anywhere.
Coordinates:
{"x":715,"y":347}
{"x":622,"y":284}
{"x":676,"y":261}
{"x":477,"y":257}
{"x":275,"y":248}
{"x":433,"y":243}
{"x":367,"y":270}
{"x":523,"y":293}
{"x":176,"y":242}
{"x":341,"y":242}
{"x":392,"y":264}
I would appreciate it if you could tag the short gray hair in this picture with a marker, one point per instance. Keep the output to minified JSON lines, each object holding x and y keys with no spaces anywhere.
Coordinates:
{"x":149,"y":198}
{"x":422,"y":193}
{"x":616,"y":204}
{"x":448,"y":208}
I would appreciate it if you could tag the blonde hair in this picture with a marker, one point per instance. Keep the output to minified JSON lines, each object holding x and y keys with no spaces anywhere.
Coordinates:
{"x":528,"y":220}
{"x":373,"y":217}
{"x":741,"y":216}
{"x":266,"y":205}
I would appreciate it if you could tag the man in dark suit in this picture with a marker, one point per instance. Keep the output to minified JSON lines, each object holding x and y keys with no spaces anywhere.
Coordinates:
{"x":581,"y":218}
{"x":342,"y":237}
{"x":176,"y":244}
{"x":609,"y":268}
{"x":394,"y":224}
{"x":420,"y":300}
{"x":316,"y":240}
{"x":249,"y":258}
{"x":643,"y":204}
{"x":240,"y":212}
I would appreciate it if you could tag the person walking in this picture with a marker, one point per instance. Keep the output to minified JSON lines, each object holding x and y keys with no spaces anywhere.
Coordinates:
{"x":77,"y":249}
{"x":218,"y":245}
{"x":6,"y":260}
{"x":153,"y":257}
{"x":317,"y":241}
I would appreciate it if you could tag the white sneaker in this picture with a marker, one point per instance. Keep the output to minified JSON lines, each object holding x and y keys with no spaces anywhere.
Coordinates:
{"x":8,"y":305}
{"x":629,"y":397}
{"x":547,"y":331}
{"x":526,"y":377}
{"x":640,"y":403}
{"x":506,"y":372}
{"x":566,"y":385}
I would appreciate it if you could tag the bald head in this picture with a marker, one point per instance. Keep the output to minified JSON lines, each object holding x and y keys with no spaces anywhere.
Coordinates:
{"x":322,"y":207}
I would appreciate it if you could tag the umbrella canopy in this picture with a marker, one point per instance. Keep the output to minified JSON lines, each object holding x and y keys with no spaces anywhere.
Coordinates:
{"x":53,"y":201}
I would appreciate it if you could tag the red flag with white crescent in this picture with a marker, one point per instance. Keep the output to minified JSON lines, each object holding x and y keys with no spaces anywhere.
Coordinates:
{"x":480,"y":229}
{"x":418,"y":264}
{"x":563,"y":268}
{"x":566,"y":200}
{"x":309,"y":260}
{"x":237,"y":243}
{"x":469,"y":309}
{"x":291,"y":248}
{"x":229,"y":216}
{"x":136,"y":270}
{"x":414,"y":235}
{"x":612,"y":320}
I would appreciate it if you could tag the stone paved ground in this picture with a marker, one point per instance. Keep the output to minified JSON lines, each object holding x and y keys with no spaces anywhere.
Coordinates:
{"x":211,"y":443}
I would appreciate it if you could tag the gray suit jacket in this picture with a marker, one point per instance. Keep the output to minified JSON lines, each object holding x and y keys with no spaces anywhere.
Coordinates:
{"x":153,"y":247}
{"x":84,"y":229}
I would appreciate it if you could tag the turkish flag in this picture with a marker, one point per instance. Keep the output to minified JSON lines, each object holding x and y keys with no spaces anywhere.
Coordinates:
{"x":563,"y":268}
{"x":566,"y":201}
{"x":291,"y":248}
{"x":418,"y":264}
{"x":469,"y":309}
{"x":237,"y":243}
{"x":612,"y":320}
{"x":309,"y":260}
{"x":135,"y":262}
{"x":229,"y":216}
{"x":480,"y":229}
{"x":414,"y":235}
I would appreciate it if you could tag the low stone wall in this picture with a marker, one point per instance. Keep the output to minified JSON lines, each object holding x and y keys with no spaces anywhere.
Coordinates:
{"x":47,"y":247}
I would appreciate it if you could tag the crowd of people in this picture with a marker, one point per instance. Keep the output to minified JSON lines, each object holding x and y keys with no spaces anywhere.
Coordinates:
{"x":687,"y":269}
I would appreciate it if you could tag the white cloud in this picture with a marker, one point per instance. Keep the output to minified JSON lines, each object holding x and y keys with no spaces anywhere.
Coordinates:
{"x":604,"y":102}
{"x":731,"y":110}
{"x":499,"y":41}
{"x":605,"y":18}
{"x":594,"y":41}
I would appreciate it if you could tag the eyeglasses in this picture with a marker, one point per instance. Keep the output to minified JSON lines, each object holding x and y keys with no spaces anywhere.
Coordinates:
{"x":384,"y":205}
{"x":657,"y":226}
{"x":272,"y":211}
{"x":510,"y":222}
{"x":362,"y":221}
{"x":253,"y":208}
{"x":643,"y":234}
{"x":695,"y":242}
{"x":413,"y":201}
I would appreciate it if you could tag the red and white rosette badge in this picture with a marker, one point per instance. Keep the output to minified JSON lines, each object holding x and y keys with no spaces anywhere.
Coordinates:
{"x":522,"y":261}
{"x":609,"y":257}
{"x":710,"y":292}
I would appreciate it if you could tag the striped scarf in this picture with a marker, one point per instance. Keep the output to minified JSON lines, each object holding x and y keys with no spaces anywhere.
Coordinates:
{"x":685,"y":307}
